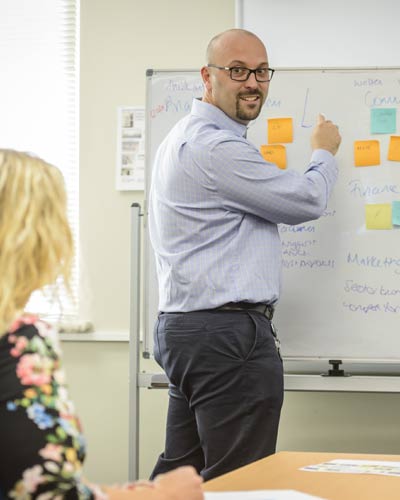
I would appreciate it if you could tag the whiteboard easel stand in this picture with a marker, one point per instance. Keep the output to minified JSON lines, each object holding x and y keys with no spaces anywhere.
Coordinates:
{"x":134,"y":343}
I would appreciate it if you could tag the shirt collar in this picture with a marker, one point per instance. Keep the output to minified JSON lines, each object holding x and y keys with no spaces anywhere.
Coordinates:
{"x":211,"y":112}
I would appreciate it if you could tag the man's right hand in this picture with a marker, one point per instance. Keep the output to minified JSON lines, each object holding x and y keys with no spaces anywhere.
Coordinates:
{"x":325,"y":136}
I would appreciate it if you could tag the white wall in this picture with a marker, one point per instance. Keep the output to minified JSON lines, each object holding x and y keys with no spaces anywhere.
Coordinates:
{"x":120,"y":39}
{"x":318,"y":33}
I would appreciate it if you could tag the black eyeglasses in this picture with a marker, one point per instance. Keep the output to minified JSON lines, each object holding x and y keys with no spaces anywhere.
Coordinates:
{"x":241,"y":74}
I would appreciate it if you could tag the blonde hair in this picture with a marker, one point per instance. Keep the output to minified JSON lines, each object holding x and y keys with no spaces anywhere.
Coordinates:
{"x":36,"y":245}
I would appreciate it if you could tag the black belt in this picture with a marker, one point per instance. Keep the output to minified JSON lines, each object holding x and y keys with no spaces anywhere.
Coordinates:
{"x":266,"y":309}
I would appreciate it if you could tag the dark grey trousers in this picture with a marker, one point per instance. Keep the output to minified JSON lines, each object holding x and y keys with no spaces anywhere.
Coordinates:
{"x":226,"y":389}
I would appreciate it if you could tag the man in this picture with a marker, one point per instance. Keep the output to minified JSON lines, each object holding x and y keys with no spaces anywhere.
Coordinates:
{"x":214,"y":208}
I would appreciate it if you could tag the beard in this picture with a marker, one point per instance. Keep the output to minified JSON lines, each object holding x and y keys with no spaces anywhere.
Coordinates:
{"x":252,"y":113}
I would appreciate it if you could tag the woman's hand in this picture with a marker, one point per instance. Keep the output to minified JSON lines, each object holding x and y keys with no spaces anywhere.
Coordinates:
{"x":180,"y":484}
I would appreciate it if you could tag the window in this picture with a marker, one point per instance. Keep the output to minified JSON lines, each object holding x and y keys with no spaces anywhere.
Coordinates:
{"x":39,"y":103}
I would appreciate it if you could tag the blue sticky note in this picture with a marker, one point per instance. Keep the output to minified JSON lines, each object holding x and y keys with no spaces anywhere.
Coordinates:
{"x":396,"y":213}
{"x":383,"y":120}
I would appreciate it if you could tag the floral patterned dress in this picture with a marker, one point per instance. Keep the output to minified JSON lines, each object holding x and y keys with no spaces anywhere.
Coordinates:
{"x":41,"y":443}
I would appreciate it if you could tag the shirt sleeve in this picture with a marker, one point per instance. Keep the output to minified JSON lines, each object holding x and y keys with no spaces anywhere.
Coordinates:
{"x":247,"y":183}
{"x":42,"y":446}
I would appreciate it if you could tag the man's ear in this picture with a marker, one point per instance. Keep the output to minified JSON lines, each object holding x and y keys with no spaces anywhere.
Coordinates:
{"x":205,"y":74}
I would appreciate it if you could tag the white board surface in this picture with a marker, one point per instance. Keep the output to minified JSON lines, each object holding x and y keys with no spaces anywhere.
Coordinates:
{"x":341,"y":281}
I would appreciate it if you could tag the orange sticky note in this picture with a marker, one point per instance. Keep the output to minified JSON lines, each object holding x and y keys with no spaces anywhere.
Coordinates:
{"x":280,"y":130}
{"x":274,"y":153}
{"x":378,"y":216}
{"x":394,"y":148}
{"x":366,"y":153}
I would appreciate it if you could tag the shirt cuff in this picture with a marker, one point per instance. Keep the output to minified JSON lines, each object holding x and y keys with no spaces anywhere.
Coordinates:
{"x":325,"y":162}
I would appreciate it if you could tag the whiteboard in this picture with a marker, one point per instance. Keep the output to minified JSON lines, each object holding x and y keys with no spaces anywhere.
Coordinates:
{"x":341,"y":281}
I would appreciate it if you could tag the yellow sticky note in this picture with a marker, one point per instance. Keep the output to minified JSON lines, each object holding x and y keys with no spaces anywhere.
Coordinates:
{"x":394,"y":148}
{"x":378,"y":216}
{"x":280,"y":130}
{"x":274,"y":153}
{"x":366,"y":153}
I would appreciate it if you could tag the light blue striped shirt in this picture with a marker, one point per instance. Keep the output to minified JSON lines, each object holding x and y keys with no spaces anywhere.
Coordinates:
{"x":214,"y":207}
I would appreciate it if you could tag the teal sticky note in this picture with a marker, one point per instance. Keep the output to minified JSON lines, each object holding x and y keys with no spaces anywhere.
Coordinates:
{"x":396,"y":213}
{"x":383,"y":120}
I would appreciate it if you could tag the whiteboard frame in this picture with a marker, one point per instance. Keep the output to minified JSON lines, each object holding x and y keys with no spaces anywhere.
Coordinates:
{"x":300,"y":382}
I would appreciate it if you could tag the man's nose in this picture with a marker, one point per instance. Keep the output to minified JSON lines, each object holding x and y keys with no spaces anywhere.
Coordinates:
{"x":251,"y":81}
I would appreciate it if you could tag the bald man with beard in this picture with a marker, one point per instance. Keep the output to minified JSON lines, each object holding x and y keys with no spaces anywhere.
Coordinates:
{"x":215,"y":204}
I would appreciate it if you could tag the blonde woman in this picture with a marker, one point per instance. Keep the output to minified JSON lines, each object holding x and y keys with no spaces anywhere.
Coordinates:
{"x":41,"y":444}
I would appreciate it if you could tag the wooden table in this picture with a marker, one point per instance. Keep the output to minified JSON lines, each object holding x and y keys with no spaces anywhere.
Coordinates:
{"x":281,"y":471}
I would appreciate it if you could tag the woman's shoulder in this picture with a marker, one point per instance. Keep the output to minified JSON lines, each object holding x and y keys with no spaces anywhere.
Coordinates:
{"x":29,"y":328}
{"x":28,"y":322}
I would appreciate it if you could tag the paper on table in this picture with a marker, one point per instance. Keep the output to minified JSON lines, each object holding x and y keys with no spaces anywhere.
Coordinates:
{"x":259,"y":495}
{"x":384,"y":468}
